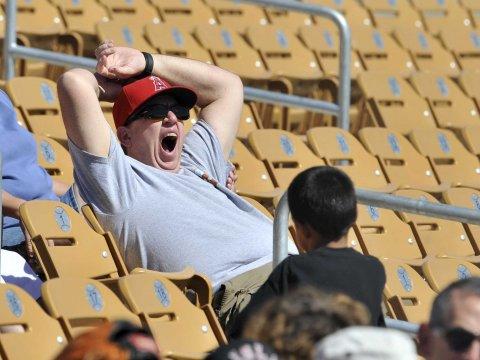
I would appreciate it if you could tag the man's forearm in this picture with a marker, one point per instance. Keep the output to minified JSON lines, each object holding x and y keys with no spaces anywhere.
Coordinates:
{"x":209,"y":82}
{"x":11,"y":204}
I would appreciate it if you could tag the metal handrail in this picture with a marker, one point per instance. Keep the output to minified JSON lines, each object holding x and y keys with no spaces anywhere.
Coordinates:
{"x":403,"y":326}
{"x":1,"y":210}
{"x":373,"y":198}
{"x":12,"y":50}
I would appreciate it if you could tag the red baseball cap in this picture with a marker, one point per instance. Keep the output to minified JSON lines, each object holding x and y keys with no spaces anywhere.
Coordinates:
{"x":138,"y":94}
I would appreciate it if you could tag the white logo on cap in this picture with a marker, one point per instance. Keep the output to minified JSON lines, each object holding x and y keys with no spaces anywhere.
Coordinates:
{"x":158,"y":83}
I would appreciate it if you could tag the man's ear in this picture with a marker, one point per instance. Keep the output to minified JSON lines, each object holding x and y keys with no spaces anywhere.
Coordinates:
{"x":425,"y":341}
{"x":123,"y":134}
{"x":303,"y":234}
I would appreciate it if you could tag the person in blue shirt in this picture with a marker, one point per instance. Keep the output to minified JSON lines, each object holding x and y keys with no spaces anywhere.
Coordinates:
{"x":23,"y":178}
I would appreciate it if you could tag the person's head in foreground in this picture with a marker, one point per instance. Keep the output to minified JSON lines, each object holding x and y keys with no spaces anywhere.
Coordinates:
{"x":243,"y":350}
{"x":453,"y":331}
{"x":294,"y":323}
{"x":323,"y":206}
{"x":149,"y":115}
{"x":118,"y":340}
{"x":363,"y":343}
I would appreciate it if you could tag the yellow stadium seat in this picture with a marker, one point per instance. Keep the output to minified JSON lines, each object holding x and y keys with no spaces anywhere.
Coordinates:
{"x":392,"y":103}
{"x":253,"y":178}
{"x":37,"y":100}
{"x":181,"y":329}
{"x":81,"y":304}
{"x":39,"y":17}
{"x":237,"y":16}
{"x":464,"y":43}
{"x":379,"y":52}
{"x":231,"y":52}
{"x":124,"y":34}
{"x":441,"y":14}
{"x":473,"y":8}
{"x":339,"y":148}
{"x":283,"y":52}
{"x":354,"y":13}
{"x":134,"y":13}
{"x":437,"y":237}
{"x":175,"y":41}
{"x":452,"y":163}
{"x":469,"y":198}
{"x":383,"y":235}
{"x":64,"y":244}
{"x":390,"y":15}
{"x":401,"y":163}
{"x":284,"y":154}
{"x":27,"y":332}
{"x":426,"y":51}
{"x":451,"y":108}
{"x":286,"y":19}
{"x":442,"y":272}
{"x":55,"y":159}
{"x":407,"y":293}
{"x":186,"y":14}
{"x":324,"y":42}
{"x":249,"y":120}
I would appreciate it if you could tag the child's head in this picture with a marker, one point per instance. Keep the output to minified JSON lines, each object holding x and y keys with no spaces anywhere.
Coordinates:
{"x":323,"y":206}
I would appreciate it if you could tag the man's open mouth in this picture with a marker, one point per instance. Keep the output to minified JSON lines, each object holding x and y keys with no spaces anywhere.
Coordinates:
{"x":169,"y":142}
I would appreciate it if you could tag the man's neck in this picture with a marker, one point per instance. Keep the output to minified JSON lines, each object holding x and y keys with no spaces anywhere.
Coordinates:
{"x":341,"y":243}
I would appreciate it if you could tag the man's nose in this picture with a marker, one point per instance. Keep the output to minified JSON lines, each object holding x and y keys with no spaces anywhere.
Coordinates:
{"x":474,"y":351}
{"x":170,"y":118}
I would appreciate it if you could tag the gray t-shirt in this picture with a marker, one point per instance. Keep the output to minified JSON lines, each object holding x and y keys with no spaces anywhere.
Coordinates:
{"x":166,"y":221}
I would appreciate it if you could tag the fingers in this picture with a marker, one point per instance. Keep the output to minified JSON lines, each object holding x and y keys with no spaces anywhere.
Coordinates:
{"x":105,"y":45}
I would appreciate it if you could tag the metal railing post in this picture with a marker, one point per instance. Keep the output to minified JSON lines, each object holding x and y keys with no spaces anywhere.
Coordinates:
{"x":401,"y":325}
{"x":280,"y":231}
{"x":10,"y":40}
{"x":1,"y":209}
{"x":344,"y":58}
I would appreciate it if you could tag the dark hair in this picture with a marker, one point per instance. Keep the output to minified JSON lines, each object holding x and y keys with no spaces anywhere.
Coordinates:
{"x":324,"y":198}
{"x":294,"y":323}
{"x":441,"y":313}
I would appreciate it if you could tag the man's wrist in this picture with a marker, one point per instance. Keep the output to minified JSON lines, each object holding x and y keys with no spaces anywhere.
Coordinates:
{"x":148,"y":69}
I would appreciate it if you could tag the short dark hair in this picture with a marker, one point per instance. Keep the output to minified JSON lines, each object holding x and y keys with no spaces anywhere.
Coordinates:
{"x":323,"y":197}
{"x":441,"y":313}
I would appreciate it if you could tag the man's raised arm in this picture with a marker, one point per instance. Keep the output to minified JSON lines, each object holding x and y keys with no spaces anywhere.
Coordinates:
{"x":220,"y":93}
{"x":78,"y":92}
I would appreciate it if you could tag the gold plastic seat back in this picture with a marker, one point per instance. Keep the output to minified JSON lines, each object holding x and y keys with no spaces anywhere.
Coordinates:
{"x":437,"y":237}
{"x":27,"y":332}
{"x":469,"y":198}
{"x":464,"y":44}
{"x":82,"y":15}
{"x":392,"y":103}
{"x":253,"y":177}
{"x":442,"y":272}
{"x":81,"y":304}
{"x":473,"y":8}
{"x":451,"y":108}
{"x":471,"y":138}
{"x":187,"y":14}
{"x":231,"y":52}
{"x":438,"y":15}
{"x":284,"y":153}
{"x":65,"y":245}
{"x":426,"y":51}
{"x":283,"y":52}
{"x":452,"y":163}
{"x":355,"y":14}
{"x":124,"y":34}
{"x":340,"y":149}
{"x":134,"y":13}
{"x":401,"y":163}
{"x":249,"y":120}
{"x":384,"y":235}
{"x":286,"y":19}
{"x":175,"y":41}
{"x":38,"y":17}
{"x":38,"y":102}
{"x":236,"y":15}
{"x":408,"y":294}
{"x":390,"y":15}
{"x":323,"y":40}
{"x":379,"y":52}
{"x":181,"y":328}
{"x":54,"y":158}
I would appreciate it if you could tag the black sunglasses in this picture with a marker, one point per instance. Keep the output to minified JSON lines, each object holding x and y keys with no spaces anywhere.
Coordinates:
{"x":459,"y":339}
{"x":160,"y":111}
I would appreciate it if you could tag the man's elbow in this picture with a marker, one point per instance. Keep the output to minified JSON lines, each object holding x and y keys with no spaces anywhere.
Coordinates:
{"x":72,"y":80}
{"x":236,"y":86}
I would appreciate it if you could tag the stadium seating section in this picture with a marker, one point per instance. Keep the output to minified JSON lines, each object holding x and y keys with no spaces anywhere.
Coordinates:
{"x":415,"y":132}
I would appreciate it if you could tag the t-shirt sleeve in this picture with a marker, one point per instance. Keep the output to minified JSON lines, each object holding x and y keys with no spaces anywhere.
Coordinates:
{"x":202,"y":150}
{"x":108,"y":183}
